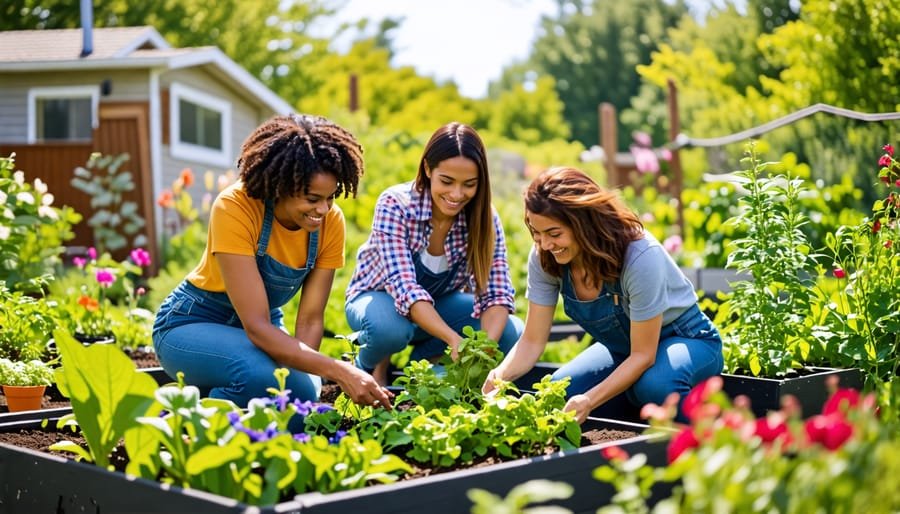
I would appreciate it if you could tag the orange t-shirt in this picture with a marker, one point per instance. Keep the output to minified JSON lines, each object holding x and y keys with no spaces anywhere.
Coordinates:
{"x":235,"y":224}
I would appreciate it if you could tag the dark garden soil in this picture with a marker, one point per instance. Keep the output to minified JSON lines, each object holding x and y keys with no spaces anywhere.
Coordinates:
{"x":41,"y":439}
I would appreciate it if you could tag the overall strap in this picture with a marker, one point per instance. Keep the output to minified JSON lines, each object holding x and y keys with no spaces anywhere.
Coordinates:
{"x":313,"y":249}
{"x":266,"y":228}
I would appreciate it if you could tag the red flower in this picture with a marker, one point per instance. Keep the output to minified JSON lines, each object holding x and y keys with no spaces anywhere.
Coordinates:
{"x":685,"y":440}
{"x":889,"y":149}
{"x":614,"y":453}
{"x":885,"y":161}
{"x":772,"y":428}
{"x":841,"y":401}
{"x":888,"y":243}
{"x":876,"y":226}
{"x":187,"y":177}
{"x":839,"y":273}
{"x":166,"y":199}
{"x":829,"y":431}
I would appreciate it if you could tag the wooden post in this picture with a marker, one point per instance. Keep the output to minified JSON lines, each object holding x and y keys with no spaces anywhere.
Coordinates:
{"x":609,"y":142}
{"x":675,"y":164}
{"x":354,"y":93}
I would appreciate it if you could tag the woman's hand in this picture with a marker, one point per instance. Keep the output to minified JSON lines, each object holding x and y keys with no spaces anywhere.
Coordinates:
{"x":454,"y":347}
{"x":489,"y":382}
{"x":581,"y":404}
{"x":362,"y":388}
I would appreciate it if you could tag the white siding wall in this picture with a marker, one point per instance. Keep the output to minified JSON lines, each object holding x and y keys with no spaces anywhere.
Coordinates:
{"x":127,"y":85}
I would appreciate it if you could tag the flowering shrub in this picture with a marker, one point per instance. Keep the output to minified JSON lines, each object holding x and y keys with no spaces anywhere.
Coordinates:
{"x":862,"y":322}
{"x":726,"y":460}
{"x":32,"y":230}
{"x":101,"y":298}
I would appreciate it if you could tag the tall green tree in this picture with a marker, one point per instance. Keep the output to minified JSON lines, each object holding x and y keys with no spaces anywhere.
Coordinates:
{"x":591,"y":48}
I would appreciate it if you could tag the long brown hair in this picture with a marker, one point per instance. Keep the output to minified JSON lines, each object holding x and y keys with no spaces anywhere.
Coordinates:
{"x":458,"y":140}
{"x":280,"y":157}
{"x":601,"y":223}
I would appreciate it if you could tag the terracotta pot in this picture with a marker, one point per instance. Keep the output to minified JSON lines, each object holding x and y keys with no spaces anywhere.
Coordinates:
{"x":22,"y":398}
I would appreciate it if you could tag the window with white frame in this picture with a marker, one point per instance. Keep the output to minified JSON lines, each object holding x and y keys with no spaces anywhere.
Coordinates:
{"x":200,"y":126}
{"x":66,"y":113}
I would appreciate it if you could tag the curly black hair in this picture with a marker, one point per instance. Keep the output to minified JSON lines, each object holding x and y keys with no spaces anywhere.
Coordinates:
{"x":280,"y":157}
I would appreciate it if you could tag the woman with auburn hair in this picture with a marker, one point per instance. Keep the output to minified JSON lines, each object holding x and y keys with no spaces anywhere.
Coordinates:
{"x":619,"y":284}
{"x":435,"y":260}
{"x":271,"y":233}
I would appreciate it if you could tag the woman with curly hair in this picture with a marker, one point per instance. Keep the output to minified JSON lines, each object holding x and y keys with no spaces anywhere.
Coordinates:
{"x":626,"y":292}
{"x":272,"y":232}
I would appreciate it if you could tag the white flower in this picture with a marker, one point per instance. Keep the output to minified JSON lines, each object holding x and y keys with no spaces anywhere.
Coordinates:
{"x":19,"y":177}
{"x":40,"y":186}
{"x":3,"y":197}
{"x":4,"y":232}
{"x":47,"y":212}
{"x":25,"y":197}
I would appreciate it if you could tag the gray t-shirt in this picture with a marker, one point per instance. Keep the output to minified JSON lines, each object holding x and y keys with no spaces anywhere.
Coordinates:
{"x":651,"y":282}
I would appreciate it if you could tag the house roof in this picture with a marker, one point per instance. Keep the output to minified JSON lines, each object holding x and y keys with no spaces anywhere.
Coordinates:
{"x":123,"y":47}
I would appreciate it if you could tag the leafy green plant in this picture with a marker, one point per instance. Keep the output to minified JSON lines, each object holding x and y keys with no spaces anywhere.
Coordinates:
{"x":116,"y":222}
{"x":726,"y":460}
{"x":26,"y":323}
{"x":478,"y":355}
{"x":520,"y":497}
{"x":862,"y":324}
{"x":32,"y":230}
{"x":107,"y":394}
{"x":762,"y":319}
{"x":25,"y":373}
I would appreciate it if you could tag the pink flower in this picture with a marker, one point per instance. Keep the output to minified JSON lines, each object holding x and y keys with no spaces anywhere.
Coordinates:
{"x":885,"y":160}
{"x":685,"y":440}
{"x":841,"y":401}
{"x":691,"y":406}
{"x":105,"y":277}
{"x":140,"y":257}
{"x":673,"y":244}
{"x":79,"y":262}
{"x":839,"y":273}
{"x":889,"y":149}
{"x":140,"y":291}
{"x":645,"y":160}
{"x":897,"y":182}
{"x":92,"y":253}
{"x":614,"y":453}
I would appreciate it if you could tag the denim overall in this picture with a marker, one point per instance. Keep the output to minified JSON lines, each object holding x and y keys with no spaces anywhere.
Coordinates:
{"x":199,"y":333}
{"x":690,"y":350}
{"x":383,"y":331}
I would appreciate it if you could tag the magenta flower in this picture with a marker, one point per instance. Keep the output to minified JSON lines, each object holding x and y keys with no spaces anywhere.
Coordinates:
{"x":839,"y":273}
{"x":889,"y":149}
{"x":841,"y":401}
{"x":885,"y":160}
{"x":773,"y":428}
{"x":829,"y":431}
{"x":92,"y":253}
{"x":140,"y":257}
{"x":79,"y":262}
{"x":685,"y":440}
{"x":105,"y":277}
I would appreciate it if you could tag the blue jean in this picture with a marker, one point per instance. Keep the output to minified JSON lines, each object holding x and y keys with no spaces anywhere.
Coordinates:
{"x":218,"y":357}
{"x":690,"y":351}
{"x":383,"y":331}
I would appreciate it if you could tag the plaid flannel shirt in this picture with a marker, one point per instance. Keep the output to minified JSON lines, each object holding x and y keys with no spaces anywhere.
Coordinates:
{"x":401,"y":229}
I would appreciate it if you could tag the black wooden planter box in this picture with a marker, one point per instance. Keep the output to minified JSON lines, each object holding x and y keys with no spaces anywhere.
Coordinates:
{"x":36,"y":482}
{"x":810,"y":388}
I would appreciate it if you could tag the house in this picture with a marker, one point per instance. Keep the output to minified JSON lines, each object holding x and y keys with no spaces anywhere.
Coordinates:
{"x":67,"y":93}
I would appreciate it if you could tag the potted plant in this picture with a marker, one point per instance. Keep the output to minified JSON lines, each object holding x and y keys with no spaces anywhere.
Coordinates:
{"x":773,"y":346}
{"x":24,"y":383}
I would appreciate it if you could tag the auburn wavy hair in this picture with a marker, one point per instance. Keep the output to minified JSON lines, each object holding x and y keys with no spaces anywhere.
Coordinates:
{"x":280,"y":157}
{"x":600,"y":222}
{"x":459,"y":140}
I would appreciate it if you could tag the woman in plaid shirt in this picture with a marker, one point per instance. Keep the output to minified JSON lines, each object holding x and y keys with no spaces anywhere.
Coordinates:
{"x":435,"y":260}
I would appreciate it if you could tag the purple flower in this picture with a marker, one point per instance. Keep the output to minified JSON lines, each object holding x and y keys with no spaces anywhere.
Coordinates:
{"x":336,"y":438}
{"x":322,"y":408}
{"x":303,"y":438}
{"x":303,"y":407}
